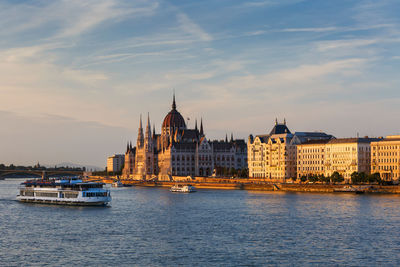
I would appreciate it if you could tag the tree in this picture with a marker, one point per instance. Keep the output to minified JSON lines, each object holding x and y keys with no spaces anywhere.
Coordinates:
{"x":355,"y":178}
{"x":303,"y":178}
{"x":244,"y":173}
{"x":337,"y":177}
{"x":374,"y":178}
{"x":312,"y":178}
{"x":324,"y":179}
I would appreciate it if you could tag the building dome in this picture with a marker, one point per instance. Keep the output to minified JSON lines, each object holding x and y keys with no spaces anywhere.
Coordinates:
{"x":174,"y":119}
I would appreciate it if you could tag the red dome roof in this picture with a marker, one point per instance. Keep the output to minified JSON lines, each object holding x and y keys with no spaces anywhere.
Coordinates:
{"x":174,"y":120}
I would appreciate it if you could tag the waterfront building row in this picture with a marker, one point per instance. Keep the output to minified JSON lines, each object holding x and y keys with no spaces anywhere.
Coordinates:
{"x":343,"y":155}
{"x":281,"y":155}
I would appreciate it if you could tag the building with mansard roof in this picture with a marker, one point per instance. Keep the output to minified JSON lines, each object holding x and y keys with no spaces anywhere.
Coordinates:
{"x":180,"y":151}
{"x":273,"y":156}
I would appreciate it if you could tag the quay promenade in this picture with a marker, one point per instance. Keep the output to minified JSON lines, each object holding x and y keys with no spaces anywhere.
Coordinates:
{"x":257,"y":185}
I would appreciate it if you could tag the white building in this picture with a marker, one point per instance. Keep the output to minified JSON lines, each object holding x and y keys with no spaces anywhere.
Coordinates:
{"x":115,"y":163}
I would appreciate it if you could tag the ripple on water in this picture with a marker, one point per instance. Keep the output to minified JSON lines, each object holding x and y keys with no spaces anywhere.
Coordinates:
{"x":152,"y":227}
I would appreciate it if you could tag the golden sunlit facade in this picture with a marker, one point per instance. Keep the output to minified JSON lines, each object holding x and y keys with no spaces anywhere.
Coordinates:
{"x":274,"y":156}
{"x":385,"y":158}
{"x":311,"y":158}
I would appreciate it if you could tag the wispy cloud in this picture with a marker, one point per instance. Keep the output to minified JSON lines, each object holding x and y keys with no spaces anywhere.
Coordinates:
{"x":322,"y":29}
{"x":340,"y":44}
{"x":192,"y":28}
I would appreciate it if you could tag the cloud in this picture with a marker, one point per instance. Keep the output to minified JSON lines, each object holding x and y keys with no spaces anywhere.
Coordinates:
{"x":322,"y":29}
{"x":262,"y":3}
{"x":188,"y":26}
{"x":347,"y":44}
{"x":68,"y":18}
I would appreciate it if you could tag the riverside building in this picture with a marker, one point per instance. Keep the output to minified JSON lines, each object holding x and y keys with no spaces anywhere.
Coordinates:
{"x":311,"y":158}
{"x":274,"y":156}
{"x":179,"y":151}
{"x":348,"y":155}
{"x":385,"y":158}
{"x":115,"y":163}
{"x":342,"y":155}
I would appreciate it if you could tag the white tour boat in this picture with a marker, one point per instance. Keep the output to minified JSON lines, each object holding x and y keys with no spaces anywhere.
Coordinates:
{"x":181,"y":188}
{"x":71,"y":191}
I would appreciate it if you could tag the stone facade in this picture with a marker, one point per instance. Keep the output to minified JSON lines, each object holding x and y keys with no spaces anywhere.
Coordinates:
{"x":179,"y":151}
{"x":385,"y":158}
{"x":115,"y":163}
{"x":274,"y":156}
{"x":348,"y":155}
{"x":311,"y":158}
{"x":342,"y":155}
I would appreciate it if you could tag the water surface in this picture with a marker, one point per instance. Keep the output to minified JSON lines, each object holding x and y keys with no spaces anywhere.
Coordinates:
{"x":153,"y":227}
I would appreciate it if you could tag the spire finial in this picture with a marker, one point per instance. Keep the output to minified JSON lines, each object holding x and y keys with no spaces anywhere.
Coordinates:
{"x":231,"y":137}
{"x":226,"y":138}
{"x":284,"y":121}
{"x":276,"y":121}
{"x":201,"y":127}
{"x":173,"y":102}
{"x":140,"y":124}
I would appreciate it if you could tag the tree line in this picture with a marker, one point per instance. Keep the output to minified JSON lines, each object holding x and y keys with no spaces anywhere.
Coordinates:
{"x":336,"y":177}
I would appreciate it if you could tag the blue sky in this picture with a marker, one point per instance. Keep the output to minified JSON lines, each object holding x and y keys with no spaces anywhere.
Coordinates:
{"x":76,"y":75}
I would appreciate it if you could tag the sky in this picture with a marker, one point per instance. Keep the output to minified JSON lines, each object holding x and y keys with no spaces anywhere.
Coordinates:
{"x":76,"y":75}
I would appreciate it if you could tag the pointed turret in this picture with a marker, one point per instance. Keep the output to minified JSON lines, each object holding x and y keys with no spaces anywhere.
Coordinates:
{"x":140,"y":139}
{"x":226,"y":138}
{"x":127,"y":147}
{"x":195,"y":125}
{"x":147,"y":139}
{"x":201,"y":128}
{"x":154,"y":131}
{"x":148,"y":127}
{"x":232,"y":137}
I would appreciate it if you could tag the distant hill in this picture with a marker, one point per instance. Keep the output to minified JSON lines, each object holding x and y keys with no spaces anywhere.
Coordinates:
{"x":74,"y":165}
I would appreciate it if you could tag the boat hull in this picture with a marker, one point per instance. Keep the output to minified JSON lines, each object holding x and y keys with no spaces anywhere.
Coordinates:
{"x":63,"y":202}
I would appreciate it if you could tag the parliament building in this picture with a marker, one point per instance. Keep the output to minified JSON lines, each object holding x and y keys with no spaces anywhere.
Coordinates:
{"x":179,"y":151}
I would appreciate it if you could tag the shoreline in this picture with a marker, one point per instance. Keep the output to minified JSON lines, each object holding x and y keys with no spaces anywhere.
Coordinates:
{"x":253,"y":185}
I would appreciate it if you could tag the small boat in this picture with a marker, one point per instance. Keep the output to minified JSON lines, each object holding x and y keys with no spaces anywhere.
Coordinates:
{"x":183,"y":188}
{"x":117,"y":184}
{"x":349,"y":189}
{"x":69,"y":191}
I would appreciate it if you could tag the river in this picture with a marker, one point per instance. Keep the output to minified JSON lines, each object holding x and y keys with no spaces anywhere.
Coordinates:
{"x":153,"y":227}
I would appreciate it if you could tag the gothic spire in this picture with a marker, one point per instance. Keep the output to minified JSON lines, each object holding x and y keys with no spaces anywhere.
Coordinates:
{"x":148,"y":127}
{"x":201,"y":127}
{"x":195,"y":125}
{"x":226,"y":138}
{"x":154,"y":131}
{"x":231,"y":137}
{"x":173,"y":102}
{"x":140,"y":139}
